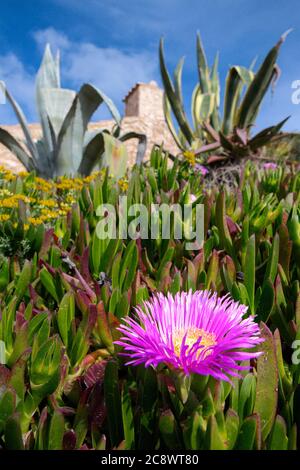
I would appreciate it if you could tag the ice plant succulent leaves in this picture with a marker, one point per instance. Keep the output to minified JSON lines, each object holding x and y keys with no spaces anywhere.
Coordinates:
{"x":194,"y":332}
{"x":54,"y":351}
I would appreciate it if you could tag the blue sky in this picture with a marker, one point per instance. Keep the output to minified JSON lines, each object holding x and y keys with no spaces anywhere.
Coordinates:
{"x":113,"y":44}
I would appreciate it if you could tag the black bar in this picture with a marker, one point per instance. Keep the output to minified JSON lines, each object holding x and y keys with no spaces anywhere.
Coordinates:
{"x":146,"y":459}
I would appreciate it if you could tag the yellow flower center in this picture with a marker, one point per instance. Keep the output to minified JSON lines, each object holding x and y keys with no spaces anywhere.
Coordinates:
{"x":192,"y":335}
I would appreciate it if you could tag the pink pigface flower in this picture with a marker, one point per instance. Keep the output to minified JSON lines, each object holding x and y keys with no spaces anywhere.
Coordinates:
{"x":193,"y":332}
{"x":192,"y":198}
{"x":201,"y":169}
{"x":270,"y":166}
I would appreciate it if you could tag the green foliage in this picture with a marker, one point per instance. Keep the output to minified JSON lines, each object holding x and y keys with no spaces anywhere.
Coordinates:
{"x":216,"y":137}
{"x":62,"y":382}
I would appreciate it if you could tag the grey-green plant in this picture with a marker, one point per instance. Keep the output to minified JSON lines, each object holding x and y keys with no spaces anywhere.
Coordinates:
{"x":66,"y":146}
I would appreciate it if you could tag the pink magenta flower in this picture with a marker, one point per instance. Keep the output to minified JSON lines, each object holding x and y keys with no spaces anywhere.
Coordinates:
{"x":194,"y":332}
{"x":202,"y":169}
{"x":192,"y":198}
{"x":270,"y":166}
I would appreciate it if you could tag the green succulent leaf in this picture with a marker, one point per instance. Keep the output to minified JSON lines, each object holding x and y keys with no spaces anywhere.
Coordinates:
{"x":258,"y":87}
{"x":113,"y":403}
{"x":267,"y":383}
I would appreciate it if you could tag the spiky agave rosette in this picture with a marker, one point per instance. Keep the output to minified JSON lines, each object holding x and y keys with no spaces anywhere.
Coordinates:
{"x":193,"y":332}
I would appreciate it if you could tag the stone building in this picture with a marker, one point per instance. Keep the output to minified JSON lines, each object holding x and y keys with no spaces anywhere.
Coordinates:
{"x":143,"y":114}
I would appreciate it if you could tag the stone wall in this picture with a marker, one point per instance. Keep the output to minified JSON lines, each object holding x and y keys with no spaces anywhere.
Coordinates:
{"x":145,"y":100}
{"x":143,"y":114}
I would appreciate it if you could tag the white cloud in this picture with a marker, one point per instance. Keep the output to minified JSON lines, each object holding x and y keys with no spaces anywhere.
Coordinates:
{"x":20,"y":83}
{"x":110,"y":69}
{"x":50,"y":35}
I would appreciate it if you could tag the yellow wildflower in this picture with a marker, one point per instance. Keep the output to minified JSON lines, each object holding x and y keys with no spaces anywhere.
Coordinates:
{"x":93,"y":176}
{"x":35,"y":220}
{"x":69,"y":183}
{"x":26,"y":226}
{"x":65,"y":206}
{"x":123,"y":184}
{"x":47,"y":214}
{"x":22,"y":197}
{"x":70,"y":199}
{"x":89,"y":178}
{"x":42,"y":184}
{"x":7,"y":174}
{"x":190,"y":157}
{"x":62,"y":212}
{"x":9,"y":177}
{"x":48,"y":203}
{"x":12,"y":201}
{"x":5,"y":192}
{"x":4,"y":217}
{"x":9,"y":203}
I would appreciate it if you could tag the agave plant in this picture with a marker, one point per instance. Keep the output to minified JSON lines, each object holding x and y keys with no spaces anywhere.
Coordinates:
{"x":66,"y":146}
{"x":216,"y":136}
